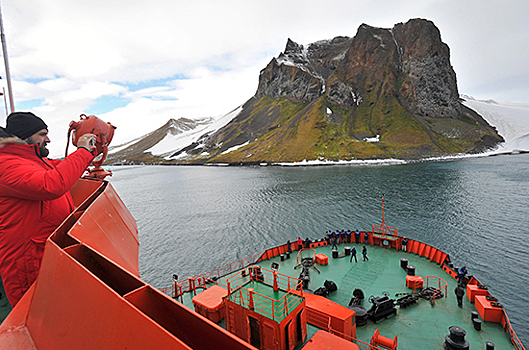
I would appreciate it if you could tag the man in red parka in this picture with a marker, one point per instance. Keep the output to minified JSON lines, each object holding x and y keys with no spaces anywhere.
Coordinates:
{"x":34,"y":197}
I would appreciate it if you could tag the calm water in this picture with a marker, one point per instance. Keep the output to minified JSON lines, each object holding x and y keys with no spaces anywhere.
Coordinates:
{"x":194,"y":219}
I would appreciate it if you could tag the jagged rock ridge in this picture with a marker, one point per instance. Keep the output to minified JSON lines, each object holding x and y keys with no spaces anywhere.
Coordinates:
{"x":384,"y":93}
{"x":412,"y":51}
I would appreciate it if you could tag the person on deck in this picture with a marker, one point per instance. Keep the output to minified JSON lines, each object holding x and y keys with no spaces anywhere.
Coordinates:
{"x":300,"y":243}
{"x":461,"y":274}
{"x":366,"y":237}
{"x":357,"y":236}
{"x":364,"y":253}
{"x":459,"y":291}
{"x":34,"y":196}
{"x":404,"y":244}
{"x":334,"y":239}
{"x":353,"y":255}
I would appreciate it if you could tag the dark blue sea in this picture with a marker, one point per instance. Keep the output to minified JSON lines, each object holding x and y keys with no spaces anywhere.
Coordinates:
{"x":192,"y":219}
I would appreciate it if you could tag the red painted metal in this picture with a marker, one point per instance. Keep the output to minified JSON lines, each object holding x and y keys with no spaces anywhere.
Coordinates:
{"x":269,"y":307}
{"x":488,"y":312}
{"x":438,"y":284}
{"x":322,"y":259}
{"x":426,"y":251}
{"x":435,"y":255}
{"x":329,"y":315}
{"x":88,"y":294}
{"x":323,"y":340}
{"x":305,"y":253}
{"x":413,"y":246}
{"x":381,"y":341}
{"x":473,"y":290}
{"x":271,"y":318}
{"x":443,"y":257}
{"x":109,"y":228}
{"x":420,"y":249}
{"x":210,"y":303}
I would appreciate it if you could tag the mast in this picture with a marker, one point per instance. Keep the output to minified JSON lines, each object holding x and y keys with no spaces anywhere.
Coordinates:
{"x":6,"y":62}
{"x":383,"y":221}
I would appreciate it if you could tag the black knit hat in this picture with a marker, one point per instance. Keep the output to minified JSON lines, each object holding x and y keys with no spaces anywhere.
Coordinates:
{"x":24,"y":124}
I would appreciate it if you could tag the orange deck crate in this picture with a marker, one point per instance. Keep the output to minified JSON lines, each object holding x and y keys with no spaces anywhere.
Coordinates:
{"x":473,"y":290}
{"x":322,"y":259}
{"x":210,"y":304}
{"x":487,"y":311}
{"x":322,"y":340}
{"x":341,"y":318}
{"x":414,"y":282}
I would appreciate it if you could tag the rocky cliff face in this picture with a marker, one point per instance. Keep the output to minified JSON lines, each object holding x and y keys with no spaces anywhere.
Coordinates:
{"x":429,"y":88}
{"x":302,"y":73}
{"x":412,"y":55}
{"x":385,"y":93}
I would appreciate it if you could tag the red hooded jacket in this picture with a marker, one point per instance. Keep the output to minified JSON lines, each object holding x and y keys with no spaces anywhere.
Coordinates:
{"x":34,"y":201}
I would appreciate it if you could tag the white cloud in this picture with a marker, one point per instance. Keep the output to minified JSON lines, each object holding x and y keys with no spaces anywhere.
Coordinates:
{"x":206,"y":93}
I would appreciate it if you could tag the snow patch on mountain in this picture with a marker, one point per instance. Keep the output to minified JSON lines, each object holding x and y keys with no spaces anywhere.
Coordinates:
{"x":235,"y":147}
{"x":173,"y":143}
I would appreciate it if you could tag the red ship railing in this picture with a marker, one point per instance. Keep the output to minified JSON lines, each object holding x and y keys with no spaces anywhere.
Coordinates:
{"x":514,"y":337}
{"x":275,"y":309}
{"x":441,"y":284}
{"x":191,"y":284}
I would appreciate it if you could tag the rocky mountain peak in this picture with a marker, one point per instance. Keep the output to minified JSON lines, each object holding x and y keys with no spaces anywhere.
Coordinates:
{"x":411,"y":55}
{"x":178,"y":126}
{"x":293,"y":47}
{"x":294,"y":55}
{"x":384,"y":93}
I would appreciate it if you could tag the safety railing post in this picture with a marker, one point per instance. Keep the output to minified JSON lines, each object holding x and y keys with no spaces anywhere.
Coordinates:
{"x":251,"y":305}
{"x":193,"y":286}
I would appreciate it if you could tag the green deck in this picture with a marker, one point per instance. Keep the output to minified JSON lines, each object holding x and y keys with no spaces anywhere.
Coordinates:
{"x":419,"y":326}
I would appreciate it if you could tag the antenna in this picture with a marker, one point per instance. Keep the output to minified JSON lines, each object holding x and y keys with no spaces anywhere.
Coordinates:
{"x":6,"y":62}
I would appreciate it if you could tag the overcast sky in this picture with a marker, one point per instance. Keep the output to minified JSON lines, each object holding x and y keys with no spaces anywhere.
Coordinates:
{"x":139,"y":63}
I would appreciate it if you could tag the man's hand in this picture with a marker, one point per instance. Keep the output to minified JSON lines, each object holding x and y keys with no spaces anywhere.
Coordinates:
{"x":87,"y":141}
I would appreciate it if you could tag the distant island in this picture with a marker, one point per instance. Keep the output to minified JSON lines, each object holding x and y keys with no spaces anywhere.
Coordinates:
{"x":382,"y":94}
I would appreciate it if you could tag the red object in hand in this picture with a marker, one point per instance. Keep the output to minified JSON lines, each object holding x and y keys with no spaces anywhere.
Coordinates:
{"x":93,"y":125}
